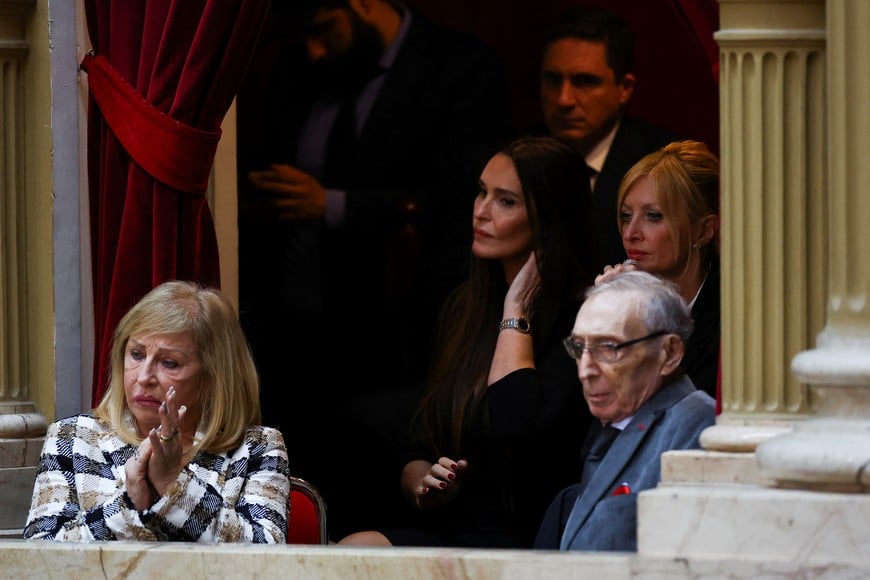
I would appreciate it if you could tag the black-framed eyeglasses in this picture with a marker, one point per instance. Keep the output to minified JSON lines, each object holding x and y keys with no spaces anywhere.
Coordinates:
{"x":603,"y":351}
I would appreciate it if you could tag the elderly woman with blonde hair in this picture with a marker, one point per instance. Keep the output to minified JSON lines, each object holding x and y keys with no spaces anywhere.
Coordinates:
{"x":174,"y":451}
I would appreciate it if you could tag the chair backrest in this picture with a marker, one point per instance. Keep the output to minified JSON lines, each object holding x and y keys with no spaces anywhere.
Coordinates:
{"x":307,"y":523}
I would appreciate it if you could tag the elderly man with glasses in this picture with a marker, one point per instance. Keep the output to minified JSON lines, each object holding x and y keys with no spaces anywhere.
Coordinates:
{"x":628,"y":340}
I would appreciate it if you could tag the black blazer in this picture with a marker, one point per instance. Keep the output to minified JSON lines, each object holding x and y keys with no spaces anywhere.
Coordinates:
{"x":701,"y":360}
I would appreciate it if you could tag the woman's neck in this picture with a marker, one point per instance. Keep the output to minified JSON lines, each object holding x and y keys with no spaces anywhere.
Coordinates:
{"x":692,"y":278}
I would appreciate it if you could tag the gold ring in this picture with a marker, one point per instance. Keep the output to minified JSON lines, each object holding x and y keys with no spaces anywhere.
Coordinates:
{"x":172,"y":436}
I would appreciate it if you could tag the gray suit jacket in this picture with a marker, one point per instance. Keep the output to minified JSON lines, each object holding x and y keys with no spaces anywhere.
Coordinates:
{"x":596,"y":518}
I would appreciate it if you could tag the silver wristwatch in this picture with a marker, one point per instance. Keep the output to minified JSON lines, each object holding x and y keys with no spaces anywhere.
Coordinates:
{"x":520,"y":324}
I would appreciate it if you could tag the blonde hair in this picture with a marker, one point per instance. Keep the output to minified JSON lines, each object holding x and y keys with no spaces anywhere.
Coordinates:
{"x":228,"y":384}
{"x":685,"y":177}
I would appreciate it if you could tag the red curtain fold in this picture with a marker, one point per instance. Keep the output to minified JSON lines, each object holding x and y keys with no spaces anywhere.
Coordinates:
{"x":186,"y":59}
{"x":173,"y":153}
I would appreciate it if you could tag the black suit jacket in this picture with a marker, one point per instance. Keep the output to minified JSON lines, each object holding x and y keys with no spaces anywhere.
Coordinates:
{"x":701,"y":360}
{"x":633,"y":140}
{"x":356,"y":295}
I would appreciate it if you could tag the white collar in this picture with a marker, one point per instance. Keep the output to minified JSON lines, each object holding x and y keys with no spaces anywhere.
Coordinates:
{"x":598,"y":155}
{"x":698,"y":293}
{"x":623,"y":423}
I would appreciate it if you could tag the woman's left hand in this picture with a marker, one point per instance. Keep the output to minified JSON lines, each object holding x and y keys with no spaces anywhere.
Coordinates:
{"x":167,"y":448}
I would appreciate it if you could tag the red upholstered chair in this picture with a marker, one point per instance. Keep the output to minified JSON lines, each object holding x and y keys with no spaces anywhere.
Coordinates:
{"x":307,"y":523}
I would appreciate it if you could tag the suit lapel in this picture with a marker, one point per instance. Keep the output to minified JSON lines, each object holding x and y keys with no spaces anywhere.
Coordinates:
{"x":396,"y":97}
{"x":619,"y":455}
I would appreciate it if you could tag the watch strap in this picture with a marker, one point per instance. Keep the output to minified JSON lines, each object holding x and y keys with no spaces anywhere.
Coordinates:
{"x":520,"y":324}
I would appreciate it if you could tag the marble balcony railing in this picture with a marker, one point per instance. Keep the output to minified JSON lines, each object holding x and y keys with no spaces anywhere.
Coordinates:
{"x":119,"y":560}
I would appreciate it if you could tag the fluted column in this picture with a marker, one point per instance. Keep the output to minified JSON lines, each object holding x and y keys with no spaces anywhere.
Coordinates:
{"x":772,"y":88}
{"x":21,"y":427}
{"x":831,"y":451}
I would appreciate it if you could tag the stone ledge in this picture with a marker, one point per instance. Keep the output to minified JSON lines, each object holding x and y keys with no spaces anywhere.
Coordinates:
{"x":16,"y":489}
{"x":812,"y":529}
{"x":20,"y":452}
{"x":711,"y":467}
{"x":119,"y":560}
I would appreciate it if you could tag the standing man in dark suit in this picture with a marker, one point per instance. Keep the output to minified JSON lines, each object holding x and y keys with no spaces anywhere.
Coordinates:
{"x":628,"y":340}
{"x":586,"y":84}
{"x":371,"y":121}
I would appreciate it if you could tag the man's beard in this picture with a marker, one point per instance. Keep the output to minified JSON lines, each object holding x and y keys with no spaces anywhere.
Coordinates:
{"x":347,"y":73}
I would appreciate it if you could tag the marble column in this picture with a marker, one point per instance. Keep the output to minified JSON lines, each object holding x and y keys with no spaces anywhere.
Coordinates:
{"x":831,"y":450}
{"x":772,"y":95}
{"x":21,"y":426}
{"x":792,"y":508}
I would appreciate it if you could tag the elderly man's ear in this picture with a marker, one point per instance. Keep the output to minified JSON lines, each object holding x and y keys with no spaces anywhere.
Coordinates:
{"x":672,"y":354}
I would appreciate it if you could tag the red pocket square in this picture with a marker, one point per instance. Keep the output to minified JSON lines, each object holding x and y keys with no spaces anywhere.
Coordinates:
{"x":621,"y":489}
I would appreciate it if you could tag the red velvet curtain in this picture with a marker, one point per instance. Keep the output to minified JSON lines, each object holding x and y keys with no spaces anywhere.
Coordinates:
{"x":181,"y":63}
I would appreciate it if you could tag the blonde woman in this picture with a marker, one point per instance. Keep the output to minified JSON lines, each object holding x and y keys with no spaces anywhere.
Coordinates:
{"x":668,"y":212}
{"x":174,"y":451}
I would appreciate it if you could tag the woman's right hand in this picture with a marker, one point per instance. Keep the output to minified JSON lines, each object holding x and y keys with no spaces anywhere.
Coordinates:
{"x":139,"y":489}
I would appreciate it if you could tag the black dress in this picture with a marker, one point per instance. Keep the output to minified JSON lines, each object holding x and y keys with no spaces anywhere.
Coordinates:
{"x":522,"y":447}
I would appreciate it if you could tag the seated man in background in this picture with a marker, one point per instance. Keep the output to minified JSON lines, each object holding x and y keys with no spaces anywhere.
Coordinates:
{"x":628,"y":340}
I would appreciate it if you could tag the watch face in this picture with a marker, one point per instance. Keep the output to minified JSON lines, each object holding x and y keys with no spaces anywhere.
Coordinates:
{"x":523,"y":324}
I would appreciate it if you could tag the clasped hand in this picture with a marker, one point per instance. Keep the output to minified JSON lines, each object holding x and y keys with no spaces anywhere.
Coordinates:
{"x":158,"y":460}
{"x":286,"y":194}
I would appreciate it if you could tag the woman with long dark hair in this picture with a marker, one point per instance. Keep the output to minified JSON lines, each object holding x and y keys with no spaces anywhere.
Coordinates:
{"x":502,"y":419}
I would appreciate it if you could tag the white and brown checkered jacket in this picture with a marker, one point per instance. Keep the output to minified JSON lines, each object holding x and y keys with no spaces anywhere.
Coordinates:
{"x":79,"y":494}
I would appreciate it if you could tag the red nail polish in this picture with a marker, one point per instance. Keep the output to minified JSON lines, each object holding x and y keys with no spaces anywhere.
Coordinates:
{"x":451,"y":476}
{"x":452,"y":466}
{"x":442,"y":485}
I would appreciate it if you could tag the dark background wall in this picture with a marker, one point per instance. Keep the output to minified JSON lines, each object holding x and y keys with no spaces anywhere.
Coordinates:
{"x":676,"y":58}
{"x":676,"y":69}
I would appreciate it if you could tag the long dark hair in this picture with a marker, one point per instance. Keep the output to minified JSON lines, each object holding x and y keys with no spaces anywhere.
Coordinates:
{"x":556,"y":191}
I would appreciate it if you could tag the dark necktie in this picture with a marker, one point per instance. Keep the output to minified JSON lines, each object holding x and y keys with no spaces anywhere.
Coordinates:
{"x":593,"y":177}
{"x":597,"y":450}
{"x":340,"y":145}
